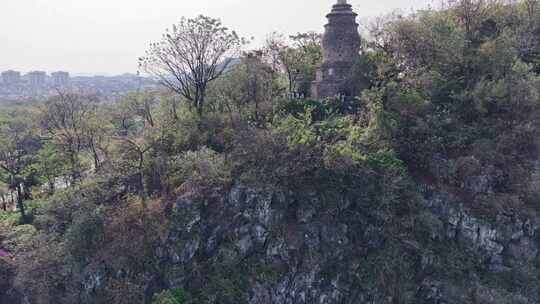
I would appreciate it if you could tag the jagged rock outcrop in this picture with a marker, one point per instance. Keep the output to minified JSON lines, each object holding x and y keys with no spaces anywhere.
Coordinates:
{"x":306,"y":249}
{"x":262,"y":246}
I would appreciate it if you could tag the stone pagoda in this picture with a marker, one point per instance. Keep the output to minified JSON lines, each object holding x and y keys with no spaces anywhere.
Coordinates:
{"x":341,"y":47}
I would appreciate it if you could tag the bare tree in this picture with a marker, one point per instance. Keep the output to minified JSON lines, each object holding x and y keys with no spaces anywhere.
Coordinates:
{"x":531,"y":7}
{"x":73,"y":124}
{"x":192,"y":54}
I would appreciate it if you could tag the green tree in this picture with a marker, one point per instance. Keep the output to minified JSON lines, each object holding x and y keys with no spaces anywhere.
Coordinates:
{"x":50,"y":166}
{"x":297,"y":58}
{"x":192,"y":54}
{"x":18,"y":147}
{"x":247,"y":91}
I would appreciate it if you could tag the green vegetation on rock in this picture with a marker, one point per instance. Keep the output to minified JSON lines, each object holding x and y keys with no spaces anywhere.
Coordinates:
{"x":423,"y":188}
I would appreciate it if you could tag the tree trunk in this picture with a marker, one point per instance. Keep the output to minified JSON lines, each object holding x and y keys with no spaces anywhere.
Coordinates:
{"x":74,"y":167}
{"x":4,"y":203}
{"x":174,"y":109}
{"x":199,"y":99}
{"x":97,"y":163}
{"x":200,"y":105}
{"x":51,"y":186}
{"x":20,"y":203}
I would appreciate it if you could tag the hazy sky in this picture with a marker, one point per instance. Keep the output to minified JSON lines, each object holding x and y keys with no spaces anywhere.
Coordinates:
{"x":107,"y":36}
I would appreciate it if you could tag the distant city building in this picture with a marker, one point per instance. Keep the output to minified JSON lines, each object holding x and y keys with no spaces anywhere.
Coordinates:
{"x":341,"y":47}
{"x":37,"y":78}
{"x":11,"y":77}
{"x":38,"y":85}
{"x":60,"y":79}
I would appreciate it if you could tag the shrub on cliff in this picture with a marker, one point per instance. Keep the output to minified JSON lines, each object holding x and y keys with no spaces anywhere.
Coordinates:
{"x":172,"y":296}
{"x":200,"y":172}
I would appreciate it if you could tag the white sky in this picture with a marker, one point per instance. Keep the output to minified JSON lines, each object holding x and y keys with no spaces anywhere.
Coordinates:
{"x":107,"y":36}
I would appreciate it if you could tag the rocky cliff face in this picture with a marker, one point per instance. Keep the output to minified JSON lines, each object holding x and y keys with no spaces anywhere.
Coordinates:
{"x":8,"y":295}
{"x":263,"y":246}
{"x":301,"y":248}
{"x":275,"y":247}
{"x":498,"y":249}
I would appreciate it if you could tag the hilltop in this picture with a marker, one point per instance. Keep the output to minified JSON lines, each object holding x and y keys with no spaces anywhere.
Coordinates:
{"x":233,"y":185}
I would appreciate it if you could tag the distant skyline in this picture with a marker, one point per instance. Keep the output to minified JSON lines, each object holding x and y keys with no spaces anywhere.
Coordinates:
{"x":105,"y":37}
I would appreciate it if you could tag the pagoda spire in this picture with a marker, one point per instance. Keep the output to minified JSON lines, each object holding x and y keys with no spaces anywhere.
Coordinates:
{"x":341,"y":48}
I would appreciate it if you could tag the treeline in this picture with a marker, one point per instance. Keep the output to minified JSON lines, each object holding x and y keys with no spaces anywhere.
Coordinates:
{"x":63,"y":141}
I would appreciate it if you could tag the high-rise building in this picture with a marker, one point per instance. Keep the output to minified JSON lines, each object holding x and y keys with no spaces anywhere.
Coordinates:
{"x":11,"y":77}
{"x":60,"y":79}
{"x":341,"y":48}
{"x":37,"y":78}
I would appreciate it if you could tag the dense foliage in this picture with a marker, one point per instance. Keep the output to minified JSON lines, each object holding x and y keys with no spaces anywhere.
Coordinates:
{"x":454,"y":94}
